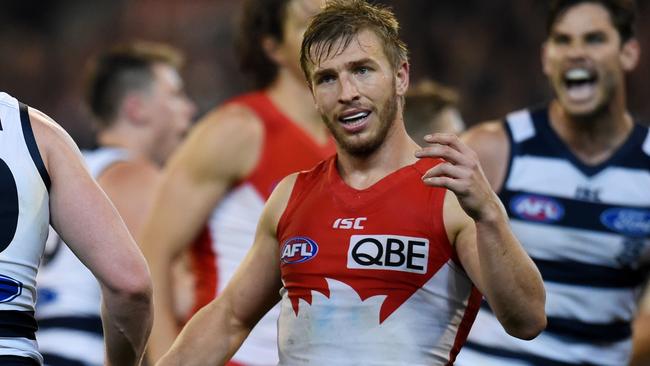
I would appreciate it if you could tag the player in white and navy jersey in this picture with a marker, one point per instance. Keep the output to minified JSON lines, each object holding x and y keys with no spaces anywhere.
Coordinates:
{"x":574,"y":177}
{"x":43,"y":181}
{"x":136,"y":94}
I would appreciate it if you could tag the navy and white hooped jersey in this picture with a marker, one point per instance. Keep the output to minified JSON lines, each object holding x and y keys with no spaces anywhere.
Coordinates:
{"x":24,"y":219}
{"x":587,"y":228}
{"x":69,"y":297}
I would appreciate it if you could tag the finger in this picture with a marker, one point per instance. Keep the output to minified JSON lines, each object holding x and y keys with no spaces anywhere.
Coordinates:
{"x":449,"y":183}
{"x":449,"y":139}
{"x":448,"y":170}
{"x":445,"y":152}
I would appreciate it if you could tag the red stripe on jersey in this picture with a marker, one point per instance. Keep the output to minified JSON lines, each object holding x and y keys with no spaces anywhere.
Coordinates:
{"x":473,"y":304}
{"x":233,"y":363}
{"x":204,"y":262}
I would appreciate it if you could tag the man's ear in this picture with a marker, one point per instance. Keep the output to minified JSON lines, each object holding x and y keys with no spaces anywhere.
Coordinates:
{"x":630,"y":54}
{"x":402,"y":78}
{"x":271,"y":47}
{"x":133,"y":109}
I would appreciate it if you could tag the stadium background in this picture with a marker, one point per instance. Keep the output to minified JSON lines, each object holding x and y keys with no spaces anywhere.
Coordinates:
{"x":488,"y":50}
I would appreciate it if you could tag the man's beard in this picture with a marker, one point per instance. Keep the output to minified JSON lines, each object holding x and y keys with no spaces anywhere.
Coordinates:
{"x":365,"y":148}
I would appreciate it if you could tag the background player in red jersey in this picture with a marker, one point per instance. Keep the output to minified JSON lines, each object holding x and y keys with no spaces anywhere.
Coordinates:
{"x":358,"y":73}
{"x":228,"y":166}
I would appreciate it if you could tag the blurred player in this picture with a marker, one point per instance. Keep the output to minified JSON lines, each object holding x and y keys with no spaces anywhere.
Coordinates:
{"x":44,"y":181}
{"x":229,"y":165}
{"x":574,"y":176}
{"x":431,"y":108}
{"x":137,"y":97}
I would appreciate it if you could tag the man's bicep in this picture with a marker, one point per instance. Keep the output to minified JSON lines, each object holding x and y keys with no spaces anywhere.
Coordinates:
{"x":84,"y":217}
{"x":180,"y":206}
{"x":196,"y":178}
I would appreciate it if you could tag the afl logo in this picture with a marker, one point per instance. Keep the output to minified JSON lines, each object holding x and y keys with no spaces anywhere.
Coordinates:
{"x":536,"y":208}
{"x":635,"y":223}
{"x":298,"y":249}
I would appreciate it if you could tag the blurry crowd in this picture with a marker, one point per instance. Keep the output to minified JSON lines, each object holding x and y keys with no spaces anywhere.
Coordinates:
{"x":488,"y":50}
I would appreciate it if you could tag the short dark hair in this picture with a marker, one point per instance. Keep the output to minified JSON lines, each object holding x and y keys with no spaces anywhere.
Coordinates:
{"x":427,"y":98}
{"x":424,"y":101}
{"x":622,"y":13}
{"x":120,"y":70}
{"x":342,"y":20}
{"x":260,"y":18}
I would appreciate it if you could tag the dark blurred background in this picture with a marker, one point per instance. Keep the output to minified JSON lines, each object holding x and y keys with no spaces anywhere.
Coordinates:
{"x":487,"y":49}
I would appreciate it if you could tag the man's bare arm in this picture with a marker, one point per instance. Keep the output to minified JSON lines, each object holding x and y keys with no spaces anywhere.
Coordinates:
{"x":215,"y":333}
{"x":220,"y":150}
{"x":87,"y":221}
{"x":641,"y":333}
{"x":478,"y":227}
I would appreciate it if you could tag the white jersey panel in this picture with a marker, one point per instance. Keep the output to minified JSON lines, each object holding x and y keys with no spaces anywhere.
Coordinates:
{"x":404,"y":338}
{"x":628,"y":183}
{"x":25,"y":202}
{"x":232,"y":227}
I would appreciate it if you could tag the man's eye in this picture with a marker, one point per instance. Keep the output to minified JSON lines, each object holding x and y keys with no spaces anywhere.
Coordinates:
{"x":362,"y":70}
{"x":325,"y":79}
{"x":560,"y":39}
{"x":596,"y":38}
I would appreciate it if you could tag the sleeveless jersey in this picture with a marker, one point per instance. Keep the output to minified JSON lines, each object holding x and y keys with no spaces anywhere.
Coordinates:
{"x":69,"y":296}
{"x":369,"y":276}
{"x":286,"y":149}
{"x":587,"y":228}
{"x":24,"y":219}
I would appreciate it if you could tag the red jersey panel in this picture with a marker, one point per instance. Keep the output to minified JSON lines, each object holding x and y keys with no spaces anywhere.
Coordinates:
{"x":369,"y":275}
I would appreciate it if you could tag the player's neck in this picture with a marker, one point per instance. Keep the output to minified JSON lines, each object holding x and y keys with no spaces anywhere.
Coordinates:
{"x":128,"y":141}
{"x":595,"y":138}
{"x":397,"y":151}
{"x":292,"y":96}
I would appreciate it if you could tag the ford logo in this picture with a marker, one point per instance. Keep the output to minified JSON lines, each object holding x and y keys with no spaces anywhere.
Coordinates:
{"x":536,"y":208}
{"x":630,"y":222}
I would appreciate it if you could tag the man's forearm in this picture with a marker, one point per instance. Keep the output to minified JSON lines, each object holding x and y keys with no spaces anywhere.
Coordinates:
{"x":165,"y":328}
{"x":512,"y":283}
{"x":197,"y":347}
{"x":127,"y":321}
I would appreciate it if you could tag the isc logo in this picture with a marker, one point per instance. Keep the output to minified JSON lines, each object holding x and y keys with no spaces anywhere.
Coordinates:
{"x":298,"y":249}
{"x":351,"y":223}
{"x":389,"y":252}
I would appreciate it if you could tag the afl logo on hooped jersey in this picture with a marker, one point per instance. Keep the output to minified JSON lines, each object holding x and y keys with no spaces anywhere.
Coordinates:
{"x":536,"y":208}
{"x":298,"y":249}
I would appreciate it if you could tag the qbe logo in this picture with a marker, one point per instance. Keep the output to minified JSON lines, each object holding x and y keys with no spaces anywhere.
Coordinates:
{"x":388,"y":252}
{"x":298,"y":249}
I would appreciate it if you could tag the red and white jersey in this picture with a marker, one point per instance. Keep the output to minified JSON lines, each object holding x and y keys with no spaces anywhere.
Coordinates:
{"x":231,"y":228}
{"x":369,"y":276}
